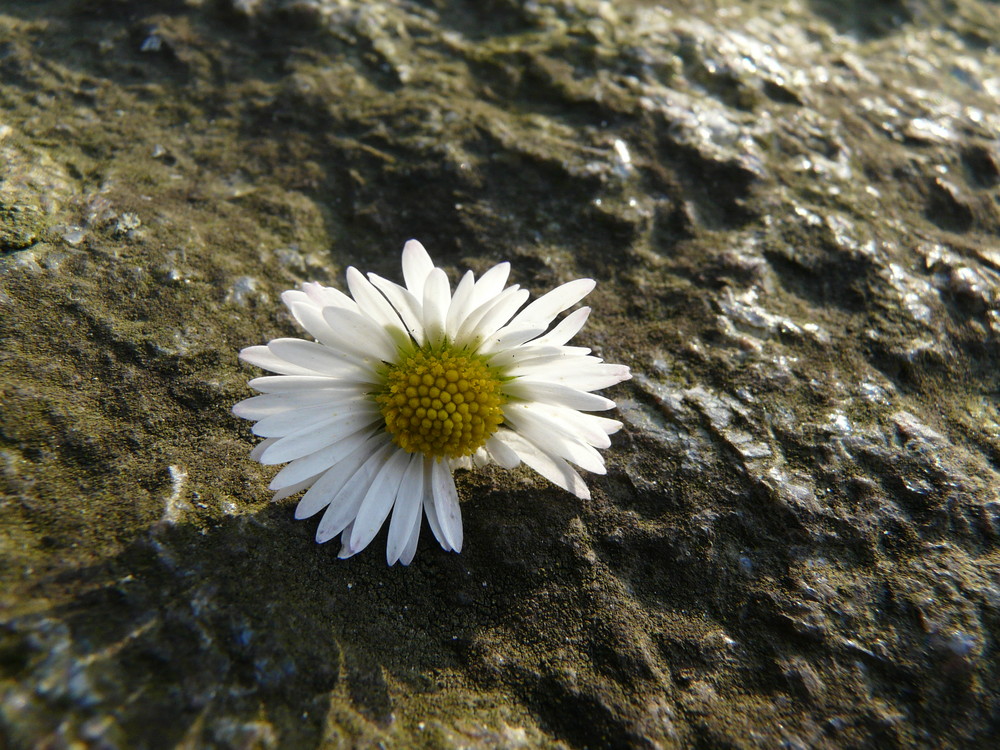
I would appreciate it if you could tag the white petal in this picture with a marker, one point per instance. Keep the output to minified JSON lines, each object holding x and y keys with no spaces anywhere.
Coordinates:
{"x":537,"y":316}
{"x":295,"y":295}
{"x":490,"y":284}
{"x":324,"y":489}
{"x":258,"y":407}
{"x":311,"y":439}
{"x":556,"y":440}
{"x":558,"y":360}
{"x":316,"y":463}
{"x":329,"y":485}
{"x":499,"y":314}
{"x":594,"y":381}
{"x":261,"y":356}
{"x":408,"y":307}
{"x":449,"y":514}
{"x":468,"y":327}
{"x":589,"y":428}
{"x":345,"y":505}
{"x":553,"y":468}
{"x":544,"y":309}
{"x":566,"y":328}
{"x":296,"y":420}
{"x":337,"y":387}
{"x":417,"y":264}
{"x":483,"y":322}
{"x":559,"y":395}
{"x":508,"y":337}
{"x":429,"y":511}
{"x":501,"y":454}
{"x":310,"y":317}
{"x":510,"y":358}
{"x":582,"y":373}
{"x":437,"y":298}
{"x":345,"y":538}
{"x":359,"y":336}
{"x":568,"y":423}
{"x":375,"y":306}
{"x":317,"y":357}
{"x":323,"y":296}
{"x":263,"y":445}
{"x":379,"y":500}
{"x":459,"y":304}
{"x":409,"y":504}
{"x":406,"y":556}
{"x":292,"y":489}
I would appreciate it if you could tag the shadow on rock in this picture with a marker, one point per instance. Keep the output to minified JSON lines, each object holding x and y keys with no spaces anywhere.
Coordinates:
{"x":218,"y":637}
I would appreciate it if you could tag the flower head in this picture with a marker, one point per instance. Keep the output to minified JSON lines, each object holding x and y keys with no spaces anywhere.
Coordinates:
{"x":404,"y":384}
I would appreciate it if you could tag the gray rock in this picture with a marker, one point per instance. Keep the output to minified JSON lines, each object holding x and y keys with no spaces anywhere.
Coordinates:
{"x":792,"y":211}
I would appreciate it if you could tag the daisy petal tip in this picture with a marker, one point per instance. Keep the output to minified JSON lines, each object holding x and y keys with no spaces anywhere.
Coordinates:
{"x":304,"y":510}
{"x":321,"y":536}
{"x":393,"y":556}
{"x":247,"y":353}
{"x":346,"y":550}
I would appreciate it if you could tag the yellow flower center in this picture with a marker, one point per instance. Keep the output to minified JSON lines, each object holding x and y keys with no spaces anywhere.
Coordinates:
{"x":441,"y":403}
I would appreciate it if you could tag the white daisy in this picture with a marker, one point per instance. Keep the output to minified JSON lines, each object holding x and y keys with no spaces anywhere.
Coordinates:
{"x":404,"y":384}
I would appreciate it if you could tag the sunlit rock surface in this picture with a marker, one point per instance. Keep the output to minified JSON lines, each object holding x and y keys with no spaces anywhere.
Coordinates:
{"x":793,"y":211}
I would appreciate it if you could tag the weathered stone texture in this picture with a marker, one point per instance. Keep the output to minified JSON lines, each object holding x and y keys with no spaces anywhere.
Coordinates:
{"x":793,"y":213}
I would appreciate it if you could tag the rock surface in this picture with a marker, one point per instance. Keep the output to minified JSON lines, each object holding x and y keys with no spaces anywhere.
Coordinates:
{"x":793,"y":211}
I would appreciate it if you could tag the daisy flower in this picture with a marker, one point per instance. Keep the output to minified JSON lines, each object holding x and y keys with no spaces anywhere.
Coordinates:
{"x":405,"y":384}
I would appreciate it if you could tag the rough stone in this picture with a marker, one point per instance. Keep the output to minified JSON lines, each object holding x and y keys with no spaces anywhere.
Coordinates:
{"x":792,"y":211}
